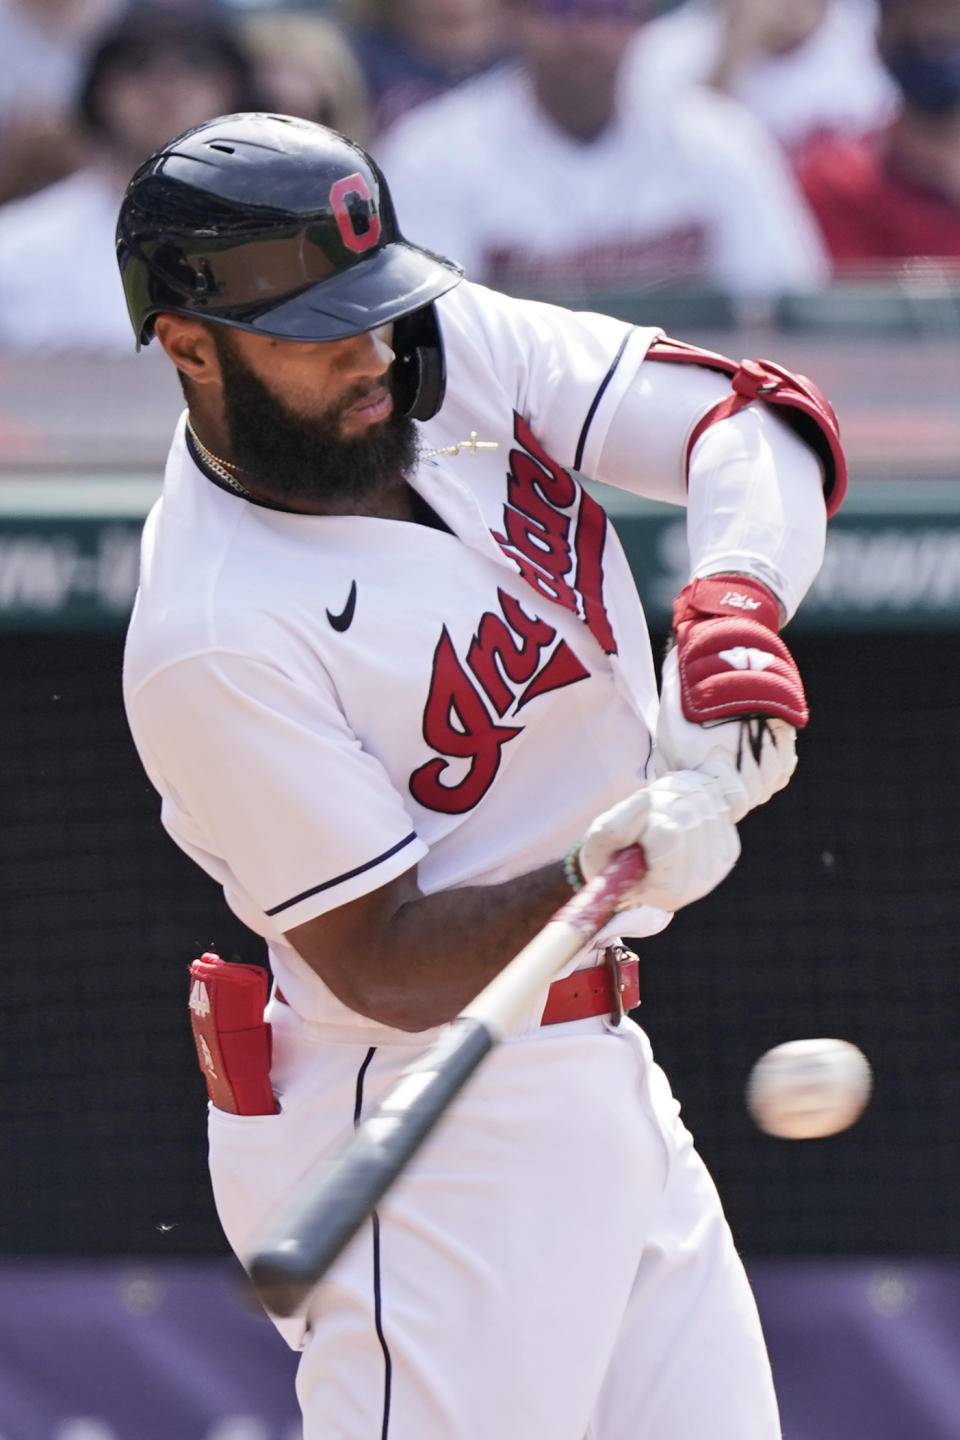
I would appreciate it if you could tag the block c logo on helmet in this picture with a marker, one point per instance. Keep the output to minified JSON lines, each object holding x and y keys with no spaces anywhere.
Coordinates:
{"x":354,"y":239}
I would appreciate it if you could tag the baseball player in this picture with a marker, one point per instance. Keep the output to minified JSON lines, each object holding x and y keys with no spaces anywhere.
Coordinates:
{"x":389,"y":672}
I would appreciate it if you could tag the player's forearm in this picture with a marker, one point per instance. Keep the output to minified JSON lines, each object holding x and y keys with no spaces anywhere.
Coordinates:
{"x":453,"y":942}
{"x":413,"y":961}
{"x":756,"y":505}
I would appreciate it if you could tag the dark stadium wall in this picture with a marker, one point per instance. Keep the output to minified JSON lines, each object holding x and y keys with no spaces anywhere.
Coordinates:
{"x":841,"y":919}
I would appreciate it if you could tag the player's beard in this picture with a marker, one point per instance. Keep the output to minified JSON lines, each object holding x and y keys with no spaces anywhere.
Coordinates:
{"x":298,"y":457}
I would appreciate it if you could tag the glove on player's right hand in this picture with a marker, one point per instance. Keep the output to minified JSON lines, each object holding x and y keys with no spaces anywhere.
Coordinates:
{"x":752,"y":758}
{"x":684,"y":825}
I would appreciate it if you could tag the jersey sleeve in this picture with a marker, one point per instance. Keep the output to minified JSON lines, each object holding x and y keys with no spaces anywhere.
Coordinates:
{"x":753,"y":488}
{"x":565,"y":371}
{"x":266,"y":776}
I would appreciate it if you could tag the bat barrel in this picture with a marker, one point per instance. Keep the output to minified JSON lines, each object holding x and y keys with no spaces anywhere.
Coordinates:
{"x":331,"y":1203}
{"x":334,"y":1204}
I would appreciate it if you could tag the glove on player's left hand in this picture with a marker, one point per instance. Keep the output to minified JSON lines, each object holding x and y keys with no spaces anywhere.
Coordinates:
{"x":731,"y":699}
{"x":689,"y":840}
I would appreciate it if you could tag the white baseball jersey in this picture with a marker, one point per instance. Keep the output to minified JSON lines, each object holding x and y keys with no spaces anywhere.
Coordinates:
{"x":688,"y":190}
{"x":324,"y":702}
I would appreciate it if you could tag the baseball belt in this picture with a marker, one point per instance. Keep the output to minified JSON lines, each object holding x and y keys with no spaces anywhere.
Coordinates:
{"x":610,"y":988}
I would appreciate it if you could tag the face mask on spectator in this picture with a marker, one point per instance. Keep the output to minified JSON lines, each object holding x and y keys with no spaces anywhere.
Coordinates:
{"x":929,"y":82}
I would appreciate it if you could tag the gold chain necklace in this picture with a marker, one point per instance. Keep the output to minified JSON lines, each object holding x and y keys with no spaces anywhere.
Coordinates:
{"x":220,"y":468}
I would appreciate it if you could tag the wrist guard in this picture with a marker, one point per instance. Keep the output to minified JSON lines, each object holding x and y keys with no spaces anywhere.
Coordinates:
{"x":731,"y":662}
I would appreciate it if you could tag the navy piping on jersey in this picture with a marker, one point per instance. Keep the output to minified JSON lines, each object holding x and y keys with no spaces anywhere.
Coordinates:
{"x":582,"y":442}
{"x":339,"y":879}
{"x":377,"y":1298}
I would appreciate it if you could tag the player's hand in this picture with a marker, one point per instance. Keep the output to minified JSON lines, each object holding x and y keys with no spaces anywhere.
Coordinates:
{"x":731,"y":696}
{"x":688,"y":837}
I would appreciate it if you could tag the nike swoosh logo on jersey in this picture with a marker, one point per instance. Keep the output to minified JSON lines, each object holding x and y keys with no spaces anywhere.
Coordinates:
{"x":343,"y":620}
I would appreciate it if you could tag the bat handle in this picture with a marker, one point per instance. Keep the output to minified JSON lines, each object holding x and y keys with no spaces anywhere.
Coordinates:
{"x":590,"y":908}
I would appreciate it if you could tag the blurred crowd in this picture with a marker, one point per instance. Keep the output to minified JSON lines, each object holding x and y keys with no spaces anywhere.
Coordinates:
{"x":572,"y":148}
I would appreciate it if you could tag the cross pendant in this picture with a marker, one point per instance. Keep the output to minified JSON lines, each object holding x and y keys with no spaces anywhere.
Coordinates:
{"x":473,"y":445}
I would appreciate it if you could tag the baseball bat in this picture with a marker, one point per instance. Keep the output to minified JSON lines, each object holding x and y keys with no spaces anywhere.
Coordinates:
{"x":337,"y":1195}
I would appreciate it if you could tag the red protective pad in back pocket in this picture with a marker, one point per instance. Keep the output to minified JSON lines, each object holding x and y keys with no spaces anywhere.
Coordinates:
{"x":227,"y":1001}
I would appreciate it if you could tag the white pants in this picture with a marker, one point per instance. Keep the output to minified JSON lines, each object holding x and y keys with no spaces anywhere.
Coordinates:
{"x":554,"y":1265}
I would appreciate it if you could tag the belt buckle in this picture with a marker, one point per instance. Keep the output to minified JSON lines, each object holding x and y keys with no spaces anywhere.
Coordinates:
{"x":615,"y":956}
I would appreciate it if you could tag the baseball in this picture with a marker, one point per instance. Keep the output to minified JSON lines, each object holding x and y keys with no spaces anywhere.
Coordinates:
{"x":805,"y":1089}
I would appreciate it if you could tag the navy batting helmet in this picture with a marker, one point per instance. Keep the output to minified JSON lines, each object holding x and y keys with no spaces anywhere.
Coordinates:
{"x":282,"y":227}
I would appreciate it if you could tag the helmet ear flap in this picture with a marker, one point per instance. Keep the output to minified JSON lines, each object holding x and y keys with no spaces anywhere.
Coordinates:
{"x":420,"y":368}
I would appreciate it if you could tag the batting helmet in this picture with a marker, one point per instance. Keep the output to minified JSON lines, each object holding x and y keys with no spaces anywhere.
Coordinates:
{"x":282,"y":227}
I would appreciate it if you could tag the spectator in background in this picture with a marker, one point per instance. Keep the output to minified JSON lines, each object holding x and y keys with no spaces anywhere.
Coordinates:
{"x":42,"y":43}
{"x":550,"y":176}
{"x":803,"y":67}
{"x":894,"y":194}
{"x":152,"y":74}
{"x":414,"y":50}
{"x":306,"y":67}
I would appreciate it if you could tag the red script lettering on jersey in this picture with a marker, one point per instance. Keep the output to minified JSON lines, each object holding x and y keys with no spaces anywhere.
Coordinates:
{"x":503,"y":669}
{"x":554,"y":533}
